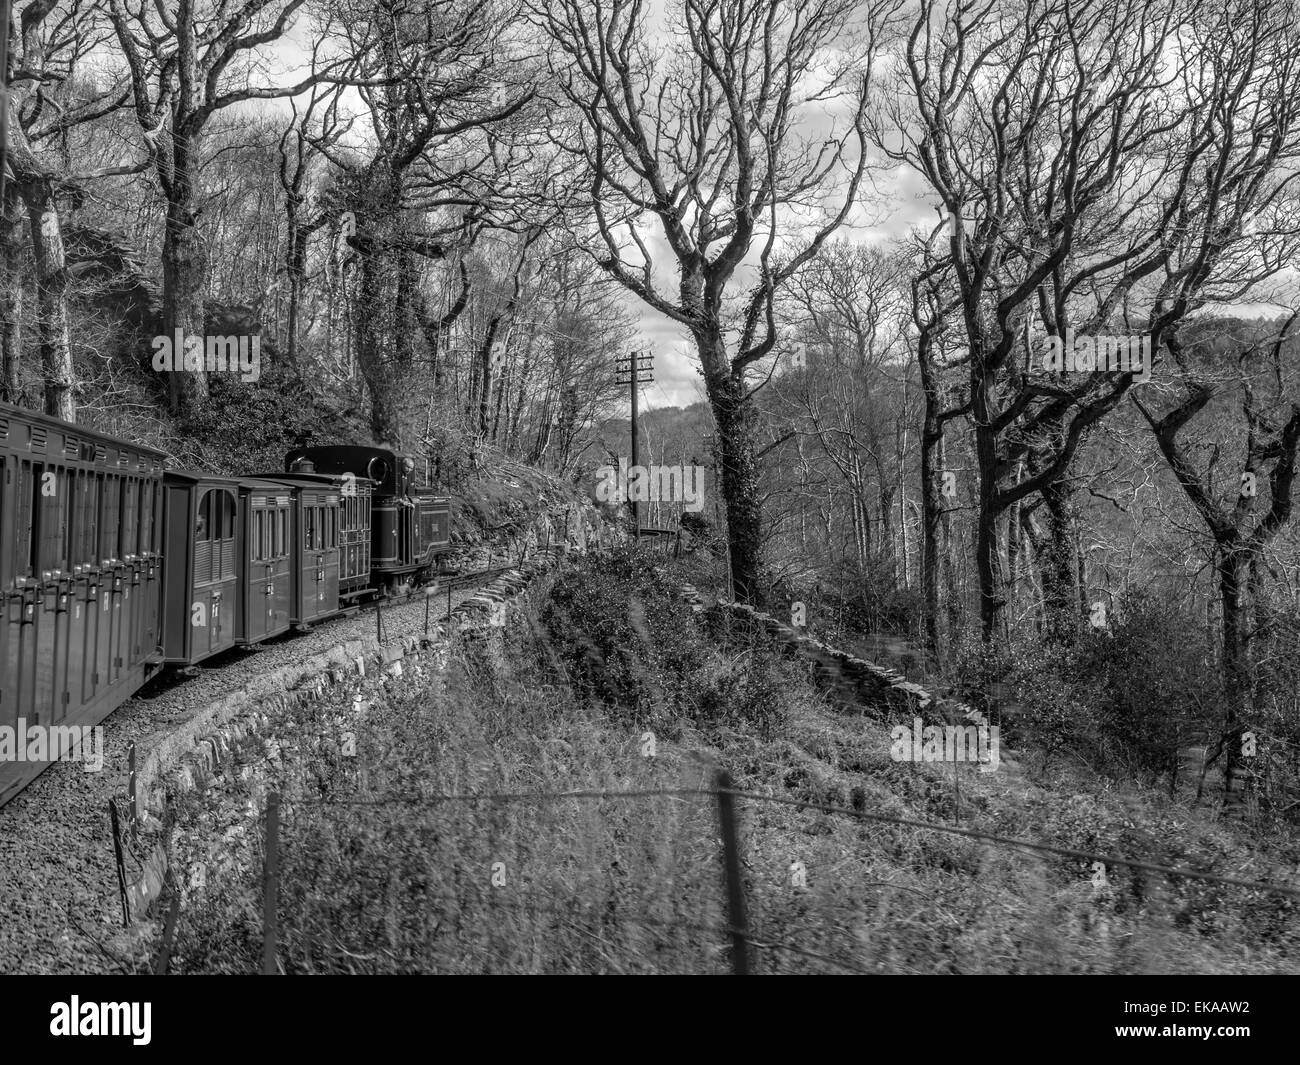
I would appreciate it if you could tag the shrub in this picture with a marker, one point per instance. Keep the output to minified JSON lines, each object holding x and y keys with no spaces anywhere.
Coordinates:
{"x":626,"y":639}
{"x":1126,"y":698}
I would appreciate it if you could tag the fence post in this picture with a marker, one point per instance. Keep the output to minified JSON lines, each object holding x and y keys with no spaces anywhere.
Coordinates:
{"x":270,"y":882}
{"x":956,"y":791}
{"x":737,"y":920}
{"x":121,"y":862}
{"x":164,"y":957}
{"x":131,"y":793}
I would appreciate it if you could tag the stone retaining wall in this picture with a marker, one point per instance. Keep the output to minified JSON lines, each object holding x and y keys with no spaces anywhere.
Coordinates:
{"x":189,"y":756}
{"x":853,"y":679}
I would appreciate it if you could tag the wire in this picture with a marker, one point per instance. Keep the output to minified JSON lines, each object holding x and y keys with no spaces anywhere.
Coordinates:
{"x":539,"y":796}
{"x":1047,"y":848}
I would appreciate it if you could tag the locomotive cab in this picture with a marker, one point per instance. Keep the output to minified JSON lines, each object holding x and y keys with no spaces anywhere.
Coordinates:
{"x":409,"y":524}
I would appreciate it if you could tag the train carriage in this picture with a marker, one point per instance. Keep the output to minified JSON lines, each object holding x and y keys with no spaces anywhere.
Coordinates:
{"x":201,"y":586}
{"x":315,"y":534}
{"x":80,"y":577}
{"x":266,"y":555}
{"x":354,"y":537}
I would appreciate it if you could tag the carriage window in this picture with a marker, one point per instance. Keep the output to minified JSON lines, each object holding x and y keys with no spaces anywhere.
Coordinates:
{"x":146,"y":516}
{"x":53,"y":506}
{"x":109,"y":501}
{"x":309,"y":529}
{"x":67,"y":486}
{"x":23,"y":540}
{"x":130,"y":511}
{"x":259,"y":520}
{"x":224,"y":512}
{"x":284,"y":532}
{"x":86,"y":517}
{"x":201,"y":523}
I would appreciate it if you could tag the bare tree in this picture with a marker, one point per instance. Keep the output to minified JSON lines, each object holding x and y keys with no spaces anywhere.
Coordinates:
{"x":710,"y":131}
{"x":1240,"y":534}
{"x":48,"y":98}
{"x":187,"y":62}
{"x":441,"y":82}
{"x":933,"y":308}
{"x":1067,"y":143}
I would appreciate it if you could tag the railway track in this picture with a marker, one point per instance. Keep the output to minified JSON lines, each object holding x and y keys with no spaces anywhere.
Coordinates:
{"x":445,"y":585}
{"x":462,"y":581}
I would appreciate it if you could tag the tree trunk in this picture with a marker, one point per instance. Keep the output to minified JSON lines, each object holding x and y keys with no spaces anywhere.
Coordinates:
{"x":296,"y":263}
{"x":185,"y":271}
{"x":487,"y":373}
{"x":986,"y":515}
{"x":1058,"y":564}
{"x":1233,"y":568}
{"x":954,"y":592}
{"x":11,"y":296}
{"x":740,"y":489}
{"x":932,"y":460}
{"x":1015,"y":551}
{"x":403,"y":330}
{"x":371,"y":334}
{"x":888,"y":555}
{"x":986,"y":561}
{"x":51,"y":297}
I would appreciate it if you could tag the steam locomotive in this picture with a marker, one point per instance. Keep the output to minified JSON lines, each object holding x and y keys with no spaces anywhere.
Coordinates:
{"x":113,"y":568}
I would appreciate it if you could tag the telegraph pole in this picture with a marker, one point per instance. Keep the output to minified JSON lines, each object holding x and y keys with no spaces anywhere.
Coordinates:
{"x":639,"y":369}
